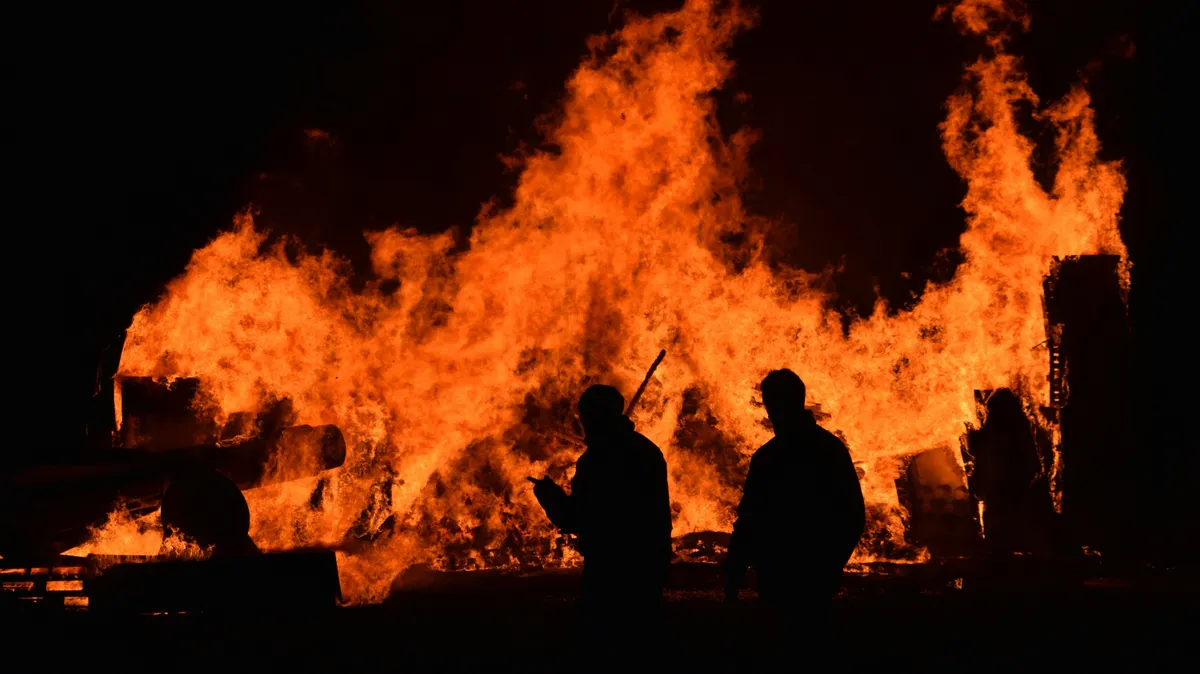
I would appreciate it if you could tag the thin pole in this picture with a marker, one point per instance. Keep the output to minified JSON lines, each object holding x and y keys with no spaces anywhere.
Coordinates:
{"x":642,"y":389}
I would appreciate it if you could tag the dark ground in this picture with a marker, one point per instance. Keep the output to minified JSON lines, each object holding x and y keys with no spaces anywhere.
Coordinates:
{"x":910,"y":618}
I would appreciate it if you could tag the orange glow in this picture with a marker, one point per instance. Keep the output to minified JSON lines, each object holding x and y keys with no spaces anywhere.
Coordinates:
{"x":460,"y":383}
{"x":122,"y":534}
{"x":68,"y":571}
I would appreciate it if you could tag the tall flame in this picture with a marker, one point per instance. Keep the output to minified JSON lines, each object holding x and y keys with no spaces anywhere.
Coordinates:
{"x":630,"y":236}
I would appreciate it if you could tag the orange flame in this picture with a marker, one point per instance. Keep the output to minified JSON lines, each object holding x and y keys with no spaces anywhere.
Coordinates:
{"x":454,"y":387}
{"x":123,"y":534}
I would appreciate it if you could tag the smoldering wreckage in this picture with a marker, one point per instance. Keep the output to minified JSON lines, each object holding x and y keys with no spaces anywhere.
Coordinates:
{"x":383,"y":440}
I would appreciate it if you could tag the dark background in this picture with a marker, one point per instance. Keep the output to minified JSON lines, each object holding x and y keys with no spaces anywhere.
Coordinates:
{"x":141,"y":130}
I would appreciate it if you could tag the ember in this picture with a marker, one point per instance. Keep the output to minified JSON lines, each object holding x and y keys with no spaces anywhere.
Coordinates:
{"x":631,"y":237}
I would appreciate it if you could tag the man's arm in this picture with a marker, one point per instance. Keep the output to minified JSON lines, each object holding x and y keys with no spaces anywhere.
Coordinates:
{"x":852,"y":499}
{"x":663,"y":497}
{"x":742,"y":540}
{"x":559,"y":505}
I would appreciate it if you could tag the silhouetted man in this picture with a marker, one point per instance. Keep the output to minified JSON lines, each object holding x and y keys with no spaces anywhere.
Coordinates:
{"x":620,"y":510}
{"x":1006,"y":467}
{"x":802,"y":509}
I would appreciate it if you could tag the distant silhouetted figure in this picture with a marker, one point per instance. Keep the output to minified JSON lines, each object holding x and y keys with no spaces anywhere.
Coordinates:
{"x":620,"y":510}
{"x":208,"y":508}
{"x":1006,"y":469}
{"x":802,"y":510}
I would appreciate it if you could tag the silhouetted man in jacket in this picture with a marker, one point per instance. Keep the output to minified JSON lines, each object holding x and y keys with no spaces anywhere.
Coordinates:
{"x":802,"y":509}
{"x":1007,"y":467}
{"x":621,"y":512}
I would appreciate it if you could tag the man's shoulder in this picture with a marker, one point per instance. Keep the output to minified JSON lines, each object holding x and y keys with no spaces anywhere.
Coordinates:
{"x":830,"y":439}
{"x":767,"y":452}
{"x":780,"y":449}
{"x":647,"y":446}
{"x":585,"y":459}
{"x":831,"y":449}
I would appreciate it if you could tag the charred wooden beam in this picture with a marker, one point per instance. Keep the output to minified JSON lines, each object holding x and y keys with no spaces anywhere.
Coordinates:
{"x":161,"y":415}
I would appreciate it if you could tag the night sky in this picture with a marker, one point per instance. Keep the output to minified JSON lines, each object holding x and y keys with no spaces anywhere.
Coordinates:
{"x":140,"y":131}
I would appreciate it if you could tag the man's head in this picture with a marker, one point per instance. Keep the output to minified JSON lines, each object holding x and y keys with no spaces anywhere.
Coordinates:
{"x":783,"y":395}
{"x":1004,"y":406}
{"x":600,"y":408}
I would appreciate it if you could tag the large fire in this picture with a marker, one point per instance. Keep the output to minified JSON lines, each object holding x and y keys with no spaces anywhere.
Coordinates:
{"x":454,"y":385}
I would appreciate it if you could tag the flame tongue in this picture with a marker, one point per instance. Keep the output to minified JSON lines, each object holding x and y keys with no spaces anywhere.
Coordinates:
{"x":462,"y":382}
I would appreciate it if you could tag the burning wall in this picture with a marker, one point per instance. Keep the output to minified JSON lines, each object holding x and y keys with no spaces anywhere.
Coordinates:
{"x":627,"y":237}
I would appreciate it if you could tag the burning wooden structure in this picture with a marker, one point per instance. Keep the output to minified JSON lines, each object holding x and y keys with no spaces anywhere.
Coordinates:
{"x":49,"y":509}
{"x":453,"y":374}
